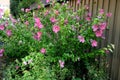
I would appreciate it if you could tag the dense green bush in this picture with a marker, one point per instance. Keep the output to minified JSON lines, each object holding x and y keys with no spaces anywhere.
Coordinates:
{"x":55,"y":44}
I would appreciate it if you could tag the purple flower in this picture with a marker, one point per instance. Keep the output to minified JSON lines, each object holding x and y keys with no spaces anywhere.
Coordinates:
{"x":61,"y":63}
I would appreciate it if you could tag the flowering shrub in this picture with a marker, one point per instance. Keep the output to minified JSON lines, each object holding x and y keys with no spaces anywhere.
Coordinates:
{"x":67,"y":41}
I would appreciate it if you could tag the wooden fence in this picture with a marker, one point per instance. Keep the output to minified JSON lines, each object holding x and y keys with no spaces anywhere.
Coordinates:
{"x":112,"y":34}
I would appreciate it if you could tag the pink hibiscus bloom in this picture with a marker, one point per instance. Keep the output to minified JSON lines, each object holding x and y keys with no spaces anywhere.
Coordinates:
{"x":81,"y":39}
{"x":102,"y":26}
{"x":95,"y":27}
{"x":99,"y":33}
{"x":94,"y":43}
{"x":61,"y":63}
{"x":9,"y":32}
{"x":27,"y":10}
{"x":56,"y":12}
{"x":66,"y":21}
{"x":43,"y":50}
{"x":56,"y":28}
{"x":26,"y":23}
{"x":89,"y":14}
{"x":78,"y":1}
{"x":88,"y":18}
{"x":53,"y":20}
{"x":101,"y":11}
{"x":2,"y":27}
{"x":47,"y":1}
{"x":38,"y":36}
{"x":109,"y":14}
{"x":38,"y":6}
{"x":38,"y":23}
{"x":46,"y":13}
{"x":1,"y":52}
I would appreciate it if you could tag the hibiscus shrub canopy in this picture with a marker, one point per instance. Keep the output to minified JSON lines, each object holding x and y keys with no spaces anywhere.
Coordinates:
{"x":61,"y":40}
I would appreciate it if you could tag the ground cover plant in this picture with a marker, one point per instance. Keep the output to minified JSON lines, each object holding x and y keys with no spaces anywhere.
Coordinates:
{"x":55,"y":44}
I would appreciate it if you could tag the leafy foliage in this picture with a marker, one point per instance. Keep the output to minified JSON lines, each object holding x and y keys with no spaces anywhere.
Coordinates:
{"x":55,"y":44}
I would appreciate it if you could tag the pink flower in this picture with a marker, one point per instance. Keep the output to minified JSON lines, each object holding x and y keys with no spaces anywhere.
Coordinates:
{"x":81,"y":39}
{"x":9,"y":32}
{"x":38,"y":36}
{"x":16,"y":67}
{"x":89,"y":14}
{"x":56,"y":28}
{"x":101,"y":11}
{"x":88,"y":18}
{"x":53,"y":20}
{"x":38,"y":23}
{"x":66,"y":21}
{"x":46,"y":13}
{"x":12,"y":19}
{"x":103,"y":25}
{"x":43,"y":50}
{"x":1,"y":52}
{"x":94,"y":43}
{"x":2,"y":27}
{"x":27,"y":10}
{"x":26,"y":23}
{"x":37,"y":20}
{"x":78,"y":1}
{"x":56,"y":12}
{"x":39,"y":7}
{"x":99,"y":33}
{"x":95,"y":27}
{"x":61,"y":63}
{"x":109,"y":14}
{"x":47,"y":1}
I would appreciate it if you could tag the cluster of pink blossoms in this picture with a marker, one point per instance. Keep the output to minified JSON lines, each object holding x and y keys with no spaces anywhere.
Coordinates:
{"x":37,"y":36}
{"x":99,"y":29}
{"x":38,"y":23}
{"x":8,"y":32}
